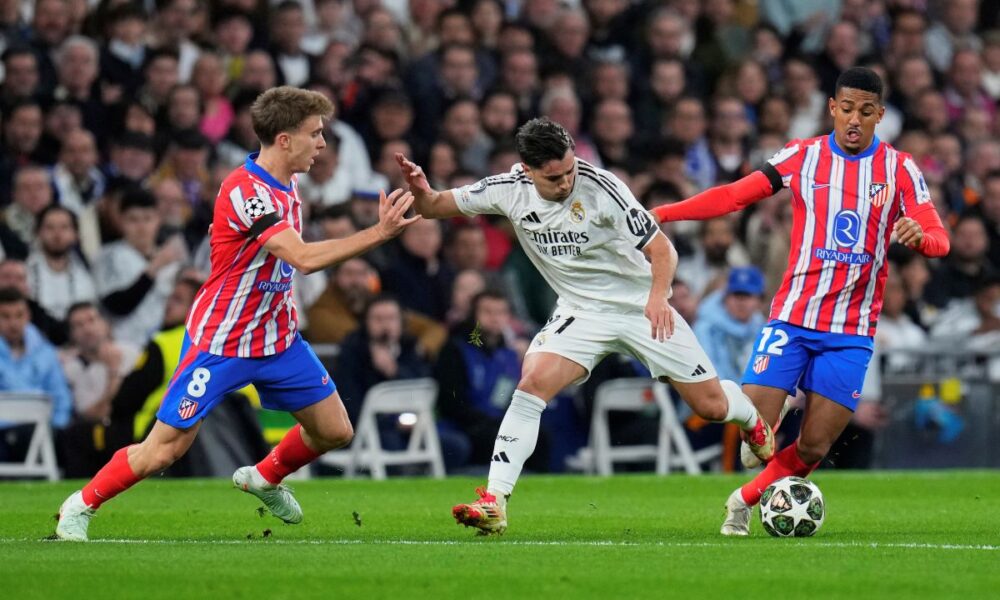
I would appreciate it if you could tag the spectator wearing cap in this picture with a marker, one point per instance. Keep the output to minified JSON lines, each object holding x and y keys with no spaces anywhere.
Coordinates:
{"x":134,"y":275}
{"x":729,"y":320}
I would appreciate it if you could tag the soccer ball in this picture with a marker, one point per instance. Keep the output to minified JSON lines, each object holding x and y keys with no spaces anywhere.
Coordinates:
{"x":792,"y":507}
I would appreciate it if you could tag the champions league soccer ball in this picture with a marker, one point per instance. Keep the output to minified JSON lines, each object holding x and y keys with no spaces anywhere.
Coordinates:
{"x":792,"y":507}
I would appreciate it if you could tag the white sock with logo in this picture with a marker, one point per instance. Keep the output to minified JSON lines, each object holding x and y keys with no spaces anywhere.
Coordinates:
{"x":741,"y":410}
{"x":515,"y":442}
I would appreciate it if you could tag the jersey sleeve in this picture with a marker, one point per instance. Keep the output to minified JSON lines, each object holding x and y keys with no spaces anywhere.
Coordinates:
{"x":786,"y":162}
{"x":913,"y":193}
{"x":253,"y":213}
{"x":627,"y":215}
{"x":489,"y":196}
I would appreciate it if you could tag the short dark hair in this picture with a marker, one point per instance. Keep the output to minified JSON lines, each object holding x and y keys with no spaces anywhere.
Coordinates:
{"x":487,"y":294}
{"x":136,"y":197}
{"x":860,"y":78}
{"x":11,"y":295}
{"x":541,"y":140}
{"x":80,"y":306}
{"x":53,"y":208}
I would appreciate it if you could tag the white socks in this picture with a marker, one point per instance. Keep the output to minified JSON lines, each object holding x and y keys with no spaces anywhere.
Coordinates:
{"x":741,"y":410}
{"x":515,"y":442}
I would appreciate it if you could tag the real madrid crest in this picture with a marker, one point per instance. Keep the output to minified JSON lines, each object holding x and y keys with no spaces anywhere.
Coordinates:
{"x":576,"y":212}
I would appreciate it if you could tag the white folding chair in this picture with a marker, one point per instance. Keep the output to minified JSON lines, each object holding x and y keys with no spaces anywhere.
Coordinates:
{"x":415,"y":396}
{"x":636,"y":395}
{"x":28,"y":408}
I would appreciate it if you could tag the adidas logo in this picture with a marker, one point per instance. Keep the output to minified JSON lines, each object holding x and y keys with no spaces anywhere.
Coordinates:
{"x":501,"y":457}
{"x":700,"y":370}
{"x":532,"y":217}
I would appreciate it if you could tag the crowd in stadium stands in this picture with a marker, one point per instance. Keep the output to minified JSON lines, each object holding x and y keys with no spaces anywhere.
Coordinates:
{"x":121,"y":117}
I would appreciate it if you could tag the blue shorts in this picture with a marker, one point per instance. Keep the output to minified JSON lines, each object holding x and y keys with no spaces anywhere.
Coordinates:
{"x":832,"y":365}
{"x":288,"y":381}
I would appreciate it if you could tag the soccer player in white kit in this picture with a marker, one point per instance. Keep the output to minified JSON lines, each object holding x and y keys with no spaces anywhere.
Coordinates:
{"x":612,"y":267}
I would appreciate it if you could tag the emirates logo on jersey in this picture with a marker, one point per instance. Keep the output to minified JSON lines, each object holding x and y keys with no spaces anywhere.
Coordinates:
{"x":878,"y":193}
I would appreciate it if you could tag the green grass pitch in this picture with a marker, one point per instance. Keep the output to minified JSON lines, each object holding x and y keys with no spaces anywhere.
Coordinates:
{"x":887,"y":535}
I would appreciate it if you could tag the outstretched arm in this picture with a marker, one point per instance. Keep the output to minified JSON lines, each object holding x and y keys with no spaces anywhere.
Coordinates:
{"x":310,"y":257}
{"x":723,"y":199}
{"x":428,"y":202}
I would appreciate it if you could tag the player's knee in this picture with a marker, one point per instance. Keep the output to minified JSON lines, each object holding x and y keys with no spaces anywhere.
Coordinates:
{"x":165,"y":455}
{"x":709,"y":404}
{"x":532,"y":384}
{"x":333,"y":436}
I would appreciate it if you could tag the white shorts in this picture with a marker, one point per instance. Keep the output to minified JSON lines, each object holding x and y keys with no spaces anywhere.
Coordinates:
{"x":587,"y":337}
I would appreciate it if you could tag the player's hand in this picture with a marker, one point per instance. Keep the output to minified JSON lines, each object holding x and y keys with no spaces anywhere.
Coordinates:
{"x":908,"y":232}
{"x":661,"y":318}
{"x":413,"y":174}
{"x":392,"y":219}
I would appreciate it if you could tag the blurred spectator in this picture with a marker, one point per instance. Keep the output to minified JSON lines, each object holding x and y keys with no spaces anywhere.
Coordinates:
{"x":957,"y":276}
{"x":210,"y":79}
{"x":94,"y":366}
{"x":131,"y":157}
{"x":686,"y":122}
{"x":807,"y":101}
{"x":666,"y":83}
{"x":22,"y":133}
{"x":125,"y":50}
{"x":339,"y":310}
{"x":965,"y":87}
{"x":57,"y":276}
{"x":498,"y":113}
{"x":729,"y":132}
{"x":32,"y":194}
{"x":14,"y":274}
{"x":729,"y":320}
{"x":240,"y":139}
{"x":465,"y":247}
{"x":477,"y":371}
{"x":174,"y":26}
{"x":418,"y":277}
{"x":972,"y":323}
{"x":134,"y":275}
{"x":896,"y":330}
{"x":29,"y":363}
{"x":377,"y":351}
{"x":562,"y":105}
{"x":954,"y":30}
{"x":21,"y":76}
{"x":77,"y":65}
{"x":989,"y":210}
{"x":79,"y":184}
{"x":321,"y":186}
{"x":612,"y":128}
{"x":718,"y":250}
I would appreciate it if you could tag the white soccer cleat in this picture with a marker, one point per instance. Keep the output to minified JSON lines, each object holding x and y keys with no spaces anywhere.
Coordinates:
{"x":74,"y":518}
{"x":277,"y":498}
{"x":747,"y":457}
{"x":737,"y":515}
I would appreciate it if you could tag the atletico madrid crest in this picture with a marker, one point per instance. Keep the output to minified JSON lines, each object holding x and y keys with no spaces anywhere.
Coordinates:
{"x":760,"y":363}
{"x":878,"y":193}
{"x":187,"y":409}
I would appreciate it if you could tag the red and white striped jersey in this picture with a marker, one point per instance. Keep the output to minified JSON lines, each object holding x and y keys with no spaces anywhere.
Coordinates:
{"x":844,"y":209}
{"x":245,"y":309}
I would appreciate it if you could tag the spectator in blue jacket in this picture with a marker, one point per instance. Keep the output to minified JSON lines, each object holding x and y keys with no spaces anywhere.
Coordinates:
{"x":28,"y":363}
{"x":729,"y":320}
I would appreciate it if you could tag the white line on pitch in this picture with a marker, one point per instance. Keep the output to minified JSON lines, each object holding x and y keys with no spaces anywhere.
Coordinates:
{"x":583,"y":543}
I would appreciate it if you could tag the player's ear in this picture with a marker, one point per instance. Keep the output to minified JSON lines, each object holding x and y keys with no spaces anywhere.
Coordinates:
{"x":832,"y":105}
{"x":527,"y":169}
{"x":881,"y":112}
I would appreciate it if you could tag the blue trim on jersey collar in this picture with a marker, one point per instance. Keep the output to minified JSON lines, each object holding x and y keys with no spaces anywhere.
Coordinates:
{"x":868,"y":151}
{"x":252,"y":166}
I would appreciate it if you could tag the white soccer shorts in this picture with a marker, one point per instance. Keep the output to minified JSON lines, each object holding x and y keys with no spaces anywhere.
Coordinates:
{"x":587,"y":337}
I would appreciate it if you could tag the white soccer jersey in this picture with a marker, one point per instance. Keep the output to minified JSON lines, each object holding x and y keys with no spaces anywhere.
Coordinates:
{"x":587,"y":247}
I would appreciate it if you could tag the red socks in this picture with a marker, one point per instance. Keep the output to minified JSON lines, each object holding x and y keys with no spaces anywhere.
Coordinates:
{"x":785,"y":464}
{"x":113,"y":479}
{"x":288,"y":456}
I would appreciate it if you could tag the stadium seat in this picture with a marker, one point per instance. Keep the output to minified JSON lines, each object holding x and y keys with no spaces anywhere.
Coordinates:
{"x":416,"y":396}
{"x":672,"y":449}
{"x":25,"y":408}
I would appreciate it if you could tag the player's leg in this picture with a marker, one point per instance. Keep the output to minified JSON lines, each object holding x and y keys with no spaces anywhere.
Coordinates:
{"x":295,"y":381}
{"x":544,"y":374}
{"x":199,"y":382}
{"x":682,"y":361}
{"x":832,"y":380}
{"x":563,"y":352}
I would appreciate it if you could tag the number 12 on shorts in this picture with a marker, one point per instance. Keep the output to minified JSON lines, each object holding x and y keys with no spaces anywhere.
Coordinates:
{"x":775,"y":347}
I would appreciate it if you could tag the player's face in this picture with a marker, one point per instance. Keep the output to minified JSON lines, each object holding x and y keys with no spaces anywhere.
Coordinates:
{"x":554,"y":180}
{"x":855,"y":115}
{"x":305,"y":143}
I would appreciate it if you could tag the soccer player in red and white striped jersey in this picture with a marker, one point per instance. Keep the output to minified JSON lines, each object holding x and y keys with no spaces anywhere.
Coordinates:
{"x":851,"y":193}
{"x":242,"y":328}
